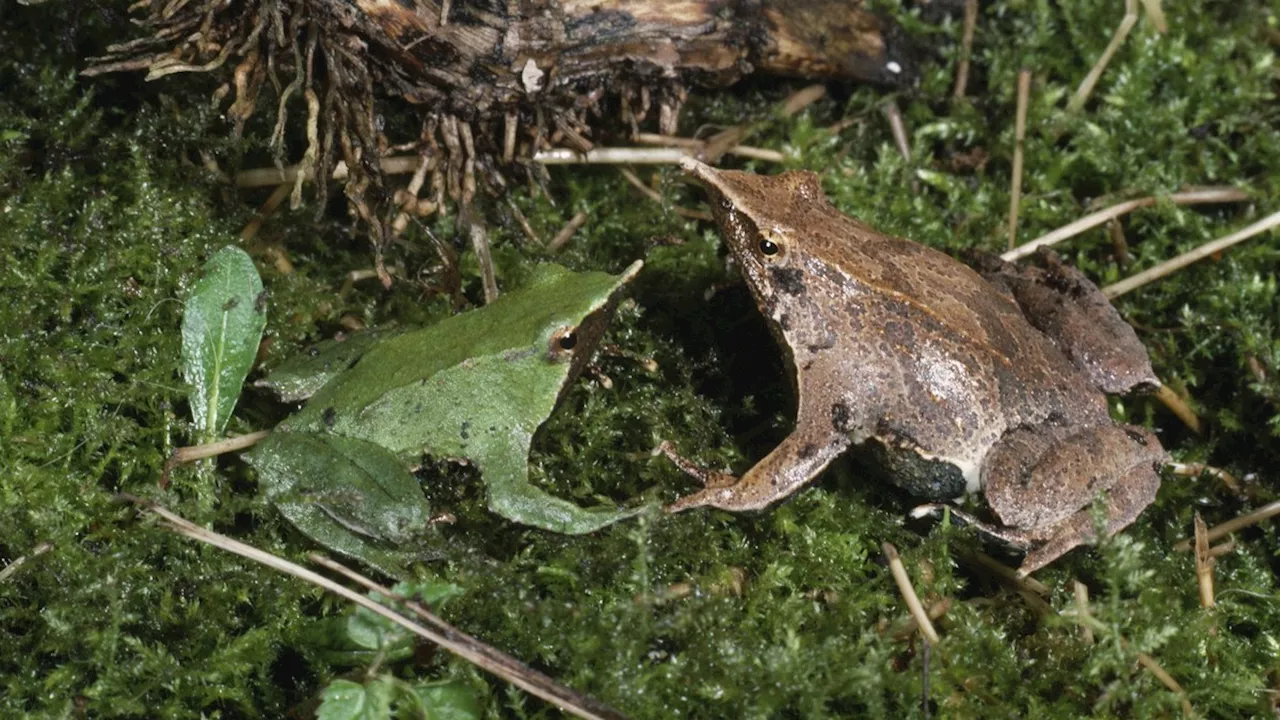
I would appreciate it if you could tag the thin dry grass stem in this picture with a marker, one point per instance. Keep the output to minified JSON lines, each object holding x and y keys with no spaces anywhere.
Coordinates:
{"x":355,"y":276}
{"x":251,"y":228}
{"x":966,"y":47}
{"x":611,"y":156}
{"x":1173,"y":265}
{"x":1216,"y":532}
{"x":1095,"y":73}
{"x":480,"y":243}
{"x":1005,"y":573}
{"x":1197,"y":469}
{"x":935,"y":612}
{"x":755,"y":153}
{"x":653,"y":195}
{"x":276,"y":255}
{"x":441,"y":633}
{"x":801,"y":99}
{"x":1204,"y":564}
{"x":9,"y":570}
{"x":523,"y":222}
{"x":1155,"y":14}
{"x":1119,"y":246}
{"x":1198,"y":196}
{"x":444,"y":12}
{"x":720,"y":143}
{"x":898,"y":128}
{"x":1222,"y":549}
{"x":1179,"y":407}
{"x":1164,"y":677}
{"x":1019,"y":141}
{"x":900,"y":577}
{"x":1081,"y":592}
{"x":566,"y":233}
{"x":192,"y":453}
{"x":695,"y":145}
{"x":635,"y":181}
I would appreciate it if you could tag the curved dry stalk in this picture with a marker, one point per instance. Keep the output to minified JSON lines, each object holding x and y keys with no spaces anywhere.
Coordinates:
{"x":1196,"y":469}
{"x":696,"y":145}
{"x":1223,"y":194}
{"x":966,"y":47}
{"x":1019,"y":140}
{"x":900,"y":577}
{"x":12,"y":568}
{"x":563,"y":237}
{"x":441,"y":633}
{"x":1204,"y":564}
{"x":1168,"y":267}
{"x":1167,"y":680}
{"x":1179,"y":407}
{"x":1265,"y":512}
{"x":612,"y":156}
{"x":1095,"y":73}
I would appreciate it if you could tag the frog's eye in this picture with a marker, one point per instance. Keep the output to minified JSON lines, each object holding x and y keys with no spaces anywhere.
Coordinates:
{"x":562,"y":343}
{"x":769,"y":247}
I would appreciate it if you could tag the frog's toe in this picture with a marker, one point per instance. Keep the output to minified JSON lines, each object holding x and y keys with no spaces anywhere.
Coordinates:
{"x":698,"y":499}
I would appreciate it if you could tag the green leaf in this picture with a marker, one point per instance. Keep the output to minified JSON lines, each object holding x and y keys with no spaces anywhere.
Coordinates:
{"x":346,"y":700}
{"x":360,"y":636}
{"x":478,"y":386}
{"x":221,"y":327}
{"x":348,"y":494}
{"x":449,"y":700}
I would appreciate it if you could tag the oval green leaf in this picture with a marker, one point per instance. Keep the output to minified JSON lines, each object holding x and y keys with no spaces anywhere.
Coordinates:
{"x":222,"y":325}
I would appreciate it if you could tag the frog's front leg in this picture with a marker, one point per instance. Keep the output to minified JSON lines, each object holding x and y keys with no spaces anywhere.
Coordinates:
{"x":797,"y":460}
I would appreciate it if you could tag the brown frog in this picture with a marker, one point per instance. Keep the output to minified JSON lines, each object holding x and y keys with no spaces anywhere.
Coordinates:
{"x":932,"y":372}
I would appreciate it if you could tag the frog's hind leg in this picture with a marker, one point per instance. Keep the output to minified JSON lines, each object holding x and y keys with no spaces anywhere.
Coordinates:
{"x":1125,"y":501}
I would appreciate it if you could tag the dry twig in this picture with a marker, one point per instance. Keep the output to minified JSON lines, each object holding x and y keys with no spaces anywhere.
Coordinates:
{"x":1090,"y":80}
{"x":1180,"y":408}
{"x":1019,"y":140}
{"x":966,"y":47}
{"x":898,"y":128}
{"x":1196,"y":469}
{"x":900,"y":577}
{"x":1092,"y":220}
{"x":563,"y":237}
{"x":1204,"y":564}
{"x":441,"y":633}
{"x":1265,"y":512}
{"x":9,"y":570}
{"x":1163,"y":676}
{"x":1171,"y":266}
{"x":1081,"y":592}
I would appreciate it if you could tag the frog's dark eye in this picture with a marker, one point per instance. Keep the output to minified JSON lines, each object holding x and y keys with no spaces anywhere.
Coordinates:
{"x":561,"y":344}
{"x":769,"y":247}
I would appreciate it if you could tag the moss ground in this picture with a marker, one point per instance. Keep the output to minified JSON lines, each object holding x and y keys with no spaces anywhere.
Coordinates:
{"x":106,"y":215}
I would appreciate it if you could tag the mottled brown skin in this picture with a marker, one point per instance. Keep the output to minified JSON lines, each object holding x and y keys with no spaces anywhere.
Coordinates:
{"x":1063,"y":304}
{"x":911,"y":355}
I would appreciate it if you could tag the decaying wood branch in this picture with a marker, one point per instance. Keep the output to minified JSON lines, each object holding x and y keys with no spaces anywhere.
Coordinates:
{"x":496,"y":80}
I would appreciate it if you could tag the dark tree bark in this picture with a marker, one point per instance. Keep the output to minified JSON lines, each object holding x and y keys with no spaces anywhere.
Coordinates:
{"x":497,"y":80}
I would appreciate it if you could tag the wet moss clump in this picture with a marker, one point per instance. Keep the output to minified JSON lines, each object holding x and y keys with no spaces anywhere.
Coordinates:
{"x":107,"y":212}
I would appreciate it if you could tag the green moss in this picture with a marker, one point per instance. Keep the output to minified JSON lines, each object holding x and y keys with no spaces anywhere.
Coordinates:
{"x":106,"y":216}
